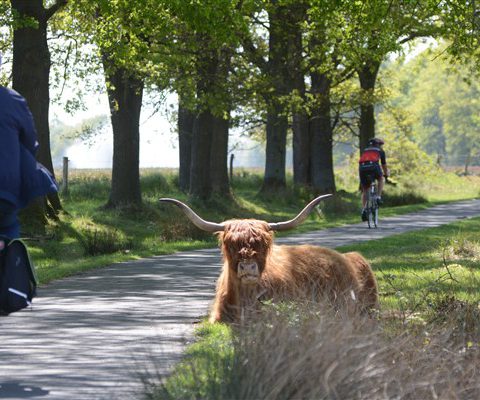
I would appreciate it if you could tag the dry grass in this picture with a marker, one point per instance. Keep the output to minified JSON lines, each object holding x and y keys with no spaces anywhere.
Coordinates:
{"x":303,"y":353}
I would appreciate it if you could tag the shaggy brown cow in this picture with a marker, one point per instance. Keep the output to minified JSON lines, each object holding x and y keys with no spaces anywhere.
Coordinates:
{"x":255,"y":268}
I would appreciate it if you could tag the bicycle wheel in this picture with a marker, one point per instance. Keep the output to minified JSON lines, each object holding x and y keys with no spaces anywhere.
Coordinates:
{"x":371,"y":216}
{"x":375,"y":216}
{"x":369,"y":208}
{"x":372,"y":209}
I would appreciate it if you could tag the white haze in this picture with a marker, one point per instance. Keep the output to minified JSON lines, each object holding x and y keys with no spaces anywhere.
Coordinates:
{"x":158,"y":140}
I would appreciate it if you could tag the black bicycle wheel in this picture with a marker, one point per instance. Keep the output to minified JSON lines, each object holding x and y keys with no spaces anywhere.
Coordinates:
{"x":375,"y":216}
{"x":371,"y":216}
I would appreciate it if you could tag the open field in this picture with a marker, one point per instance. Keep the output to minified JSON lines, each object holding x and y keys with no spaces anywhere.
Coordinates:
{"x":88,"y":236}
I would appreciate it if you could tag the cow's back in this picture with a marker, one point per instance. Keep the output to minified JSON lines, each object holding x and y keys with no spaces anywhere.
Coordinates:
{"x":307,"y":271}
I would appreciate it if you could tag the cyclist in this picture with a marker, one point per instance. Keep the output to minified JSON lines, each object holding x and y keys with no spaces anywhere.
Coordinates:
{"x":372,"y":166}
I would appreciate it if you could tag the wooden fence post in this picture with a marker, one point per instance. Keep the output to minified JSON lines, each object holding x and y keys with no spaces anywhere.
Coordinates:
{"x":232,"y":156}
{"x":65,"y":176}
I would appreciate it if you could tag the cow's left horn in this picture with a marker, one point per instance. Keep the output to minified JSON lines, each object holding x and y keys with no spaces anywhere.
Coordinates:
{"x":192,"y":216}
{"x":283,"y":226}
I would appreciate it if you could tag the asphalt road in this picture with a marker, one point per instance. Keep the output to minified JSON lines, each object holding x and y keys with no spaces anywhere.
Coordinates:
{"x":93,"y":336}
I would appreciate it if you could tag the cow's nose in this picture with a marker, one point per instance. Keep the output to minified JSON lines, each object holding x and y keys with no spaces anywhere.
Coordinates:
{"x":247,"y":268}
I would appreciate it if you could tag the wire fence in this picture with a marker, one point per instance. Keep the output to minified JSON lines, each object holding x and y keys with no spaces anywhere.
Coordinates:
{"x":449,"y":160}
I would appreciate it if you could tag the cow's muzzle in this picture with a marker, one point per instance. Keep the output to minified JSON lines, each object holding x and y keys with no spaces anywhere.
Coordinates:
{"x":248,"y":272}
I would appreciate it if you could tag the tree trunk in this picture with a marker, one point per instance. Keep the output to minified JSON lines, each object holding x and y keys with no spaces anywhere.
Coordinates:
{"x":125,"y":98}
{"x":274,"y":179}
{"x":301,"y":150}
{"x":30,"y":76}
{"x":209,"y":163}
{"x":203,"y":127}
{"x":277,"y":122}
{"x":219,"y":158}
{"x":300,"y":130}
{"x":468,"y":160}
{"x":200,"y":184}
{"x":368,"y":77}
{"x":322,"y":173}
{"x":221,"y":124}
{"x":186,"y":119}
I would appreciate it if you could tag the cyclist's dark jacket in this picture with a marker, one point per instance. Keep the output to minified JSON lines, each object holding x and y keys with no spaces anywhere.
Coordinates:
{"x":21,"y":177}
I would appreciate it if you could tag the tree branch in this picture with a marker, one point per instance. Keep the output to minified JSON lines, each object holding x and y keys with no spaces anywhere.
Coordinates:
{"x":50,"y":12}
{"x":254,"y":54}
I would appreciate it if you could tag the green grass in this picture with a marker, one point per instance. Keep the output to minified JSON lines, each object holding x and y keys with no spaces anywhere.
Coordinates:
{"x":212,"y":353}
{"x":415,"y":270}
{"x":87,"y":236}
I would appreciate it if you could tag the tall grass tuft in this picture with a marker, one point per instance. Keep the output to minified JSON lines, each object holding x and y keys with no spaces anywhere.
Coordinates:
{"x":307,"y":353}
{"x":403,"y":198}
{"x":404,"y":193}
{"x":104,"y":241}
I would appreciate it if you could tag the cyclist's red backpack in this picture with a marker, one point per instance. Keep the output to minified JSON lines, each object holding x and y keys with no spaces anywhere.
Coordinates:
{"x":370,"y":154}
{"x":18,"y":283}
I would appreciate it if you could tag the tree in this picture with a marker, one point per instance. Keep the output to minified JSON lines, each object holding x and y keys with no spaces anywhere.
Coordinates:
{"x":185,"y":121}
{"x":434,"y":105}
{"x":125,"y":93}
{"x":461,"y":22}
{"x":30,"y":77}
{"x":276,"y":58}
{"x":127,"y":36}
{"x":374,"y":29}
{"x":207,"y":39}
{"x":208,"y":169}
{"x":328,"y":68}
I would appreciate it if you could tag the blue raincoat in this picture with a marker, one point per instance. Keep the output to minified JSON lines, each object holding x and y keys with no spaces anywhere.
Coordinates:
{"x":22,"y":178}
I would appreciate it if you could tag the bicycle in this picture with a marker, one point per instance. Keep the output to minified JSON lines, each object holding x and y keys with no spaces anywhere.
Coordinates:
{"x":372,"y":205}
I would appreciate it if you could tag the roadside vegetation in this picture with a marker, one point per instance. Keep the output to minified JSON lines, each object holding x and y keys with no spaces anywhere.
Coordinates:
{"x":423,"y":344}
{"x":89,"y":236}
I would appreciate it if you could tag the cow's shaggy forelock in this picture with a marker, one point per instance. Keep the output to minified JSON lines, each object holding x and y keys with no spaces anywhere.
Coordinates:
{"x":246,"y":239}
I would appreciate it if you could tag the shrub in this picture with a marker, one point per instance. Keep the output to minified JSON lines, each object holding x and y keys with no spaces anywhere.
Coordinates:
{"x":341,"y":203}
{"x":97,"y":241}
{"x":402,"y":198}
{"x":157,"y":184}
{"x":178,"y":230}
{"x":89,"y":185}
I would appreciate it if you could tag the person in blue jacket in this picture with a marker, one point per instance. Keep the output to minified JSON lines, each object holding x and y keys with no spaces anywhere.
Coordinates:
{"x":22,"y":178}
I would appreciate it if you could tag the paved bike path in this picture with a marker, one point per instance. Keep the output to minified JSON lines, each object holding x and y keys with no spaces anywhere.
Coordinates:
{"x":91,"y":336}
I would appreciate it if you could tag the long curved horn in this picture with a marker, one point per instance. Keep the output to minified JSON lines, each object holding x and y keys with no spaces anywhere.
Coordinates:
{"x":192,"y":216}
{"x":283,"y":226}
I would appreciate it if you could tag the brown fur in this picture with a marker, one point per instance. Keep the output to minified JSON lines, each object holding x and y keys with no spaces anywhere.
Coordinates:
{"x":287,"y":272}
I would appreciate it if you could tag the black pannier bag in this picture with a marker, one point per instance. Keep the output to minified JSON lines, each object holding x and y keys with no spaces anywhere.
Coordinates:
{"x":18,"y":282}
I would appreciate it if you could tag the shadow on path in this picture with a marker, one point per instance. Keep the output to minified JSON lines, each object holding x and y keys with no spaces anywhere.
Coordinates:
{"x":89,"y":336}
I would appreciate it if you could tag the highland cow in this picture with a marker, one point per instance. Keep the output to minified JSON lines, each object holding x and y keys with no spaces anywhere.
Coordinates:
{"x":255,"y":268}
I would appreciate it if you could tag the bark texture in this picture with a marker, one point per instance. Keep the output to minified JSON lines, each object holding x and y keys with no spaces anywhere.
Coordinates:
{"x":125,"y":93}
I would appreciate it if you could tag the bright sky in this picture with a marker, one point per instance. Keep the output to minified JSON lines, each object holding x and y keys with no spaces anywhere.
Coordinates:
{"x":158,"y":141}
{"x":158,"y":146}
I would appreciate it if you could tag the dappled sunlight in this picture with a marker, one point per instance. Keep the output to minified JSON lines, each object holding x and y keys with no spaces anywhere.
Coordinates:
{"x":104,"y":331}
{"x":110,"y":324}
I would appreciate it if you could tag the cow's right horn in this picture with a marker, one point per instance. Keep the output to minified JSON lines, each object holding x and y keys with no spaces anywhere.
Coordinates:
{"x":196,"y":220}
